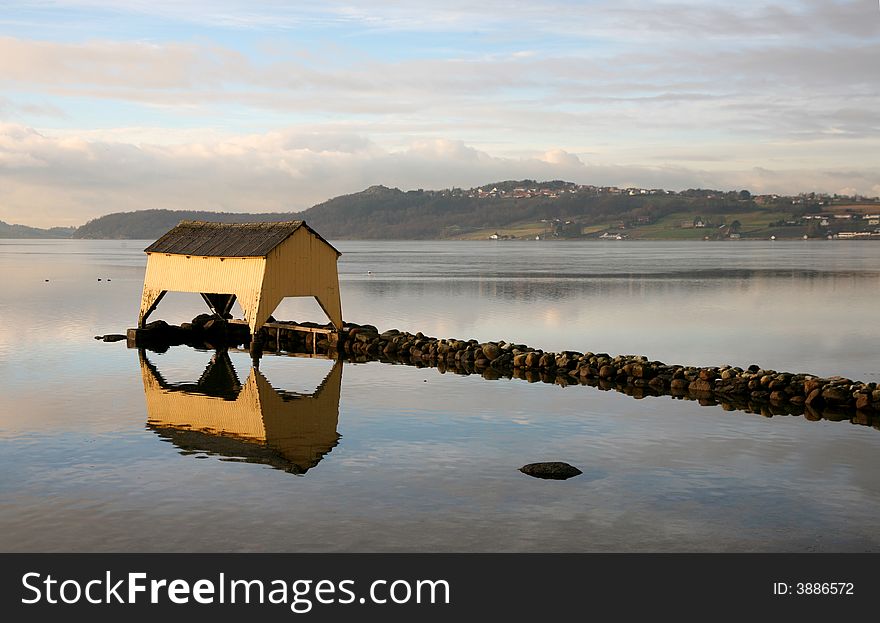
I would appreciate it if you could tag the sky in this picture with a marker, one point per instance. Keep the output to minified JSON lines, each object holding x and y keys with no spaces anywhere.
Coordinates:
{"x":265,"y":106}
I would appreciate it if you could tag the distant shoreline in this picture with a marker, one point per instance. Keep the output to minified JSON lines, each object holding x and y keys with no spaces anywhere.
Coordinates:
{"x":524,"y":209}
{"x":590,"y":240}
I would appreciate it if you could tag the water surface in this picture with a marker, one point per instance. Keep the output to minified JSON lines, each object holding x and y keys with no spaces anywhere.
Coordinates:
{"x":407,"y":459}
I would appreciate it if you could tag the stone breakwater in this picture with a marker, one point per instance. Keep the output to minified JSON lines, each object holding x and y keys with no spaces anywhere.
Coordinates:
{"x":753,"y":389}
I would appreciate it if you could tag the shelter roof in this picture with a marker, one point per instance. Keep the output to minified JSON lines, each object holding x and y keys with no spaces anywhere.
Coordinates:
{"x":209,"y":239}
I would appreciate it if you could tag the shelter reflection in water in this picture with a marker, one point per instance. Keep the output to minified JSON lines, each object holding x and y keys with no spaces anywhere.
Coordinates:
{"x":251,"y":422}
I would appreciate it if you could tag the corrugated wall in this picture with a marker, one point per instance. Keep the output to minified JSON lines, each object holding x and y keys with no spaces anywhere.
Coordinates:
{"x":303,"y":265}
{"x":241,"y":276}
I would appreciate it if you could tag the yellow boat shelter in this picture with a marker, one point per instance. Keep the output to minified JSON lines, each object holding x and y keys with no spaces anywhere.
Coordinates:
{"x":258,"y":264}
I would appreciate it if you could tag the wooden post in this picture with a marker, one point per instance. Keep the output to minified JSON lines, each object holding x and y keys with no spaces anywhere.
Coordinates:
{"x":149,"y":300}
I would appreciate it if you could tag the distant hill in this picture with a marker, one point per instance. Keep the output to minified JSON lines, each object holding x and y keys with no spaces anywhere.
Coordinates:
{"x":524,"y":209}
{"x":23,"y":231}
{"x":390,"y":213}
{"x":380,"y":212}
{"x":150,"y":224}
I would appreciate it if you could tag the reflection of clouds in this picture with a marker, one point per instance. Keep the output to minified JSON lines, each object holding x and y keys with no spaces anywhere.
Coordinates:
{"x":783,"y":322}
{"x":5,"y":334}
{"x":552,"y":317}
{"x":696,"y":471}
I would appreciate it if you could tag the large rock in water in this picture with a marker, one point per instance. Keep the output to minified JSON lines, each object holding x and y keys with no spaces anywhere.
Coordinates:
{"x":554,"y":470}
{"x":491,"y":351}
{"x":835,"y":395}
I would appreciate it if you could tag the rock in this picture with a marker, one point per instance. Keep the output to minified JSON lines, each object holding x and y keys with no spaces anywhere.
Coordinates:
{"x":814,"y":398}
{"x":840,"y":380}
{"x":554,"y":470}
{"x":657,"y":383}
{"x":110,"y":337}
{"x":606,"y":372}
{"x":700,"y":386}
{"x":678,"y":384}
{"x":835,"y":395}
{"x":643,"y":371}
{"x":491,"y":351}
{"x":863,"y":401}
{"x":548,"y":360}
{"x":707,"y":374}
{"x":810,"y":385}
{"x":519,"y":360}
{"x":533,"y":358}
{"x":200,"y":320}
{"x":502,"y":361}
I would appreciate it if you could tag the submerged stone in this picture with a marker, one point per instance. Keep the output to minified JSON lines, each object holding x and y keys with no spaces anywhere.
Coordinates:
{"x":553,"y":470}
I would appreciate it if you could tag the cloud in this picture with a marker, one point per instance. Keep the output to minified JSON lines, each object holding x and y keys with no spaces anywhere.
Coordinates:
{"x":592,"y":18}
{"x":623,"y":97}
{"x":12,"y":110}
{"x":116,"y":64}
{"x":562,"y":157}
{"x":442,"y":149}
{"x":65,"y":180}
{"x":234,"y":105}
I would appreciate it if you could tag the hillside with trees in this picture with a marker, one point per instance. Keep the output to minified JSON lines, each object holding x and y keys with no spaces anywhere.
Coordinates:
{"x":526,"y":209}
{"x":390,"y":213}
{"x":150,"y":224}
{"x":23,"y":231}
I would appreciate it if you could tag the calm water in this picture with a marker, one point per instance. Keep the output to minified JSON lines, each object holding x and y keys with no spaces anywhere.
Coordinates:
{"x":95,"y":453}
